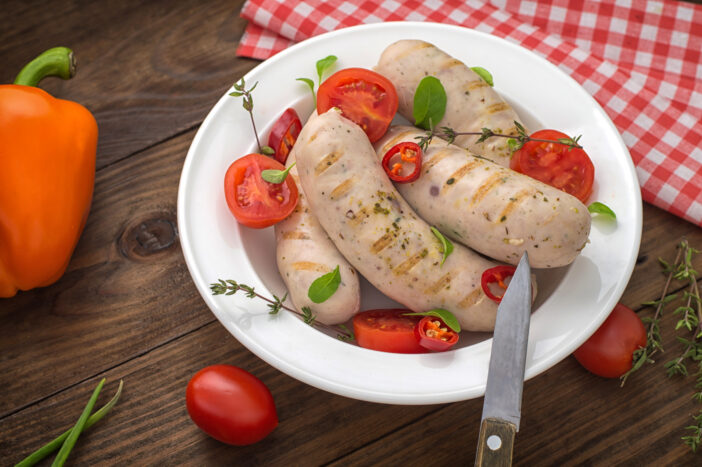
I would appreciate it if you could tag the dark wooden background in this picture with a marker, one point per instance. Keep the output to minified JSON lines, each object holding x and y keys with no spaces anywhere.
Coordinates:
{"x":127,"y":308}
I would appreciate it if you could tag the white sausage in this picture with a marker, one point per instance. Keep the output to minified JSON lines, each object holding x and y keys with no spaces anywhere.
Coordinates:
{"x":377,"y":231}
{"x":490,"y":208}
{"x":304,"y":252}
{"x":471,"y":103}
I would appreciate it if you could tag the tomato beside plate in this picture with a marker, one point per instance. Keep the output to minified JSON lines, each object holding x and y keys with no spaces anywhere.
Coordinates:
{"x":255,"y":202}
{"x":387,"y":331}
{"x":364,"y":97}
{"x":609,"y":351}
{"x":568,"y":169}
{"x":231,"y":405}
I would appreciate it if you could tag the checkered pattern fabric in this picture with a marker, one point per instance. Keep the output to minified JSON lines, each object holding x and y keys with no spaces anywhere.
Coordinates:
{"x":640,"y":59}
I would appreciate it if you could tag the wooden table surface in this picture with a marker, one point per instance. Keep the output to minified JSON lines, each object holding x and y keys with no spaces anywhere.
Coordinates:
{"x":127,"y":308}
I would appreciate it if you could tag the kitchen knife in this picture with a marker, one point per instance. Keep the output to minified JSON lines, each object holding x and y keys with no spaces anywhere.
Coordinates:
{"x":503,"y":393}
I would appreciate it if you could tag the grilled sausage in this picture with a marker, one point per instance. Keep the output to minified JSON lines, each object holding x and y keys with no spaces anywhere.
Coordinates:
{"x":471,"y":103}
{"x":377,"y":231}
{"x":490,"y":208}
{"x":304,"y":252}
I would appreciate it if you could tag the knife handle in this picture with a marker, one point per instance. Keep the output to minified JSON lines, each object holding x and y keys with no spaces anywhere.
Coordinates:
{"x":495,"y":443}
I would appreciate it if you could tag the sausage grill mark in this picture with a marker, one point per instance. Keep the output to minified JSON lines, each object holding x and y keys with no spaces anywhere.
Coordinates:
{"x":460,"y":173}
{"x":310,"y":266}
{"x":343,"y":188}
{"x":382,"y":243}
{"x":442,"y":283}
{"x":514,"y":201}
{"x":495,"y":108}
{"x":358,"y":217}
{"x":295,"y":235}
{"x":470,"y":299}
{"x":486,"y":187}
{"x":405,"y":266}
{"x":435,"y":160}
{"x":326,"y":162}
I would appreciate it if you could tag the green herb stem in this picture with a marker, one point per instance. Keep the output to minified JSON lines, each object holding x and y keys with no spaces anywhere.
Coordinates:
{"x":55,"y":444}
{"x":230,"y":287}
{"x":77,"y":429}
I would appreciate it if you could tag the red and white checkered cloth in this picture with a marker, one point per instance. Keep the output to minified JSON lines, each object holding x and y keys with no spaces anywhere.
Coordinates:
{"x":640,"y":59}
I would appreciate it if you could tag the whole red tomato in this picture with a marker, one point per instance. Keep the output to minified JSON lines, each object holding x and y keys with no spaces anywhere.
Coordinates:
{"x":231,"y":405}
{"x":608,"y":352}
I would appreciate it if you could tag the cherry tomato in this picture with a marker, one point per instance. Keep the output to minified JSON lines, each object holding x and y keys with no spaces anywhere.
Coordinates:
{"x":496,"y":275}
{"x":284,"y":134}
{"x":609,"y":351}
{"x":562,"y":167}
{"x":364,"y":97}
{"x":387,"y":331}
{"x":231,"y":405}
{"x":433,"y":334}
{"x":408,"y":153}
{"x":253,"y":201}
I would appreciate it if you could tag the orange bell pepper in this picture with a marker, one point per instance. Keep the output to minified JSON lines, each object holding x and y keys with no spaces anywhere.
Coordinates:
{"x":47,"y":174}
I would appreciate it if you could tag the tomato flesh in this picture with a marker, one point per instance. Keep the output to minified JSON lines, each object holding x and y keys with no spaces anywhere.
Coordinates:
{"x":284,"y":134}
{"x":253,"y":201}
{"x":387,"y":331}
{"x":231,"y":405}
{"x":364,"y":97}
{"x":562,"y":167}
{"x":609,"y":351}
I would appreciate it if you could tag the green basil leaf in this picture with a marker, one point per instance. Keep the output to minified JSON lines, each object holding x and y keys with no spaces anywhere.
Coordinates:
{"x":324,"y":286}
{"x":446,"y":316}
{"x":267,"y":150}
{"x":601,"y":208}
{"x":483,"y":73}
{"x":324,"y":64}
{"x":446,"y":245}
{"x":429,"y":103}
{"x":310,"y":83}
{"x":276,"y":176}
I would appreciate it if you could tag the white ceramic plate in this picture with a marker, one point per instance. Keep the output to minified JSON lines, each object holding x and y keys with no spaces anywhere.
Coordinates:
{"x":572,"y":301}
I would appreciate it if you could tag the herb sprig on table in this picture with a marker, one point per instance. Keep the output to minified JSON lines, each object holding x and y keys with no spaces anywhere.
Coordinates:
{"x":230,"y":287}
{"x":689,"y":318}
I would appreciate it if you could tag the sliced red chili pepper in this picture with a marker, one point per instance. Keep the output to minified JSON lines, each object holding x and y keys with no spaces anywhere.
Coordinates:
{"x":397,"y":159}
{"x":496,"y":275}
{"x":433,"y":334}
{"x":284,"y":134}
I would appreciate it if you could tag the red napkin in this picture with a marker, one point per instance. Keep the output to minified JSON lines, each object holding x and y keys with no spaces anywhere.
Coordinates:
{"x":641,"y":60}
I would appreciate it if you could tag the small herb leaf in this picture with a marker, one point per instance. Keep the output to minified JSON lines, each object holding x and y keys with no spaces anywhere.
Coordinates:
{"x":310,"y":84}
{"x":484,"y":74}
{"x":445,"y":315}
{"x":324,"y":286}
{"x":446,"y":245}
{"x":267,"y":150}
{"x":276,"y":176}
{"x":324,"y":64}
{"x":601,"y":208}
{"x":429,"y":103}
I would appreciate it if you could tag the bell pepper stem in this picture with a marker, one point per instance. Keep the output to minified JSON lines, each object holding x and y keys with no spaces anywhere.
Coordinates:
{"x":58,"y":61}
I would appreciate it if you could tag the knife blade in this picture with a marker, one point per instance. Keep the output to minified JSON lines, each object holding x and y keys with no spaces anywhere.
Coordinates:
{"x":503,"y":393}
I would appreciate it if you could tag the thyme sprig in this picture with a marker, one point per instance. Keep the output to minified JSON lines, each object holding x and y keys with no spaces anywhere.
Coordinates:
{"x":689,"y":318}
{"x":515,"y":142}
{"x":241,"y":91}
{"x":230,"y":287}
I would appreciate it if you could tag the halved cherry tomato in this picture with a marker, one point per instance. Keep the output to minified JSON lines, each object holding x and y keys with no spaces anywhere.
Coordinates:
{"x":562,"y":167}
{"x":284,"y":134}
{"x":433,"y":334}
{"x":408,"y":153}
{"x":609,"y":351}
{"x":364,"y":97}
{"x":231,"y":405}
{"x":387,"y":331}
{"x":496,"y":275}
{"x":255,"y":202}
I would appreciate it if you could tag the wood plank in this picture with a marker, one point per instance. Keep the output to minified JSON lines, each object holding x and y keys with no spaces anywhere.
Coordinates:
{"x":147,"y":70}
{"x":103,"y":312}
{"x":150,"y":424}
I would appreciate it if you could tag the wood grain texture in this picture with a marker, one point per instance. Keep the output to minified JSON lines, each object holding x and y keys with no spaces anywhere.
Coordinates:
{"x":146,"y":70}
{"x":127,"y":307}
